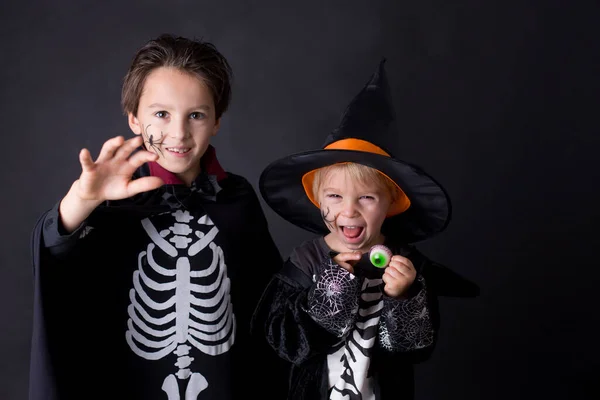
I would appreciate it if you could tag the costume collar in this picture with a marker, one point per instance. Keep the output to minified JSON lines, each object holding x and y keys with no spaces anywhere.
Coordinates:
{"x":206,"y":184}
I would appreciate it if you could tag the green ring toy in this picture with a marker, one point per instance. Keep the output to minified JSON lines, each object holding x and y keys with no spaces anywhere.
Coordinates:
{"x":380,"y":256}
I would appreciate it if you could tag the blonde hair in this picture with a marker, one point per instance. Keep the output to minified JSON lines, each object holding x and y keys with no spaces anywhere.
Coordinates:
{"x":358,"y":173}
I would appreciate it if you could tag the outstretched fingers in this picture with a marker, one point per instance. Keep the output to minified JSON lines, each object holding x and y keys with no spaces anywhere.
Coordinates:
{"x":125,"y":150}
{"x":141,"y":157}
{"x":109,"y":148}
{"x":85,"y":159}
{"x":145,"y":184}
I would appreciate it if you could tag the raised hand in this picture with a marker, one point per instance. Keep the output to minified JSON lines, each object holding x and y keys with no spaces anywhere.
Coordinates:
{"x":107,"y":178}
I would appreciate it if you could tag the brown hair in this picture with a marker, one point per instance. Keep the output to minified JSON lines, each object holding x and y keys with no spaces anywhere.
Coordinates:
{"x":357,"y":172}
{"x":198,"y":58}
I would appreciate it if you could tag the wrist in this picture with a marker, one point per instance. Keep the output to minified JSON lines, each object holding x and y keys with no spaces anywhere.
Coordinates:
{"x":74,"y":209}
{"x":407,"y":293}
{"x":75,"y":199}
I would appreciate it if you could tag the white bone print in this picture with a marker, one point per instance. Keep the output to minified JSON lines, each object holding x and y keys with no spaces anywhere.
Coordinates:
{"x":349,"y":365}
{"x":158,"y":328}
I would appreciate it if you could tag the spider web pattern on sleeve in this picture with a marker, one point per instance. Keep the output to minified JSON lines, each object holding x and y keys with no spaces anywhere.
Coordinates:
{"x":406,"y":324}
{"x":333,"y":299}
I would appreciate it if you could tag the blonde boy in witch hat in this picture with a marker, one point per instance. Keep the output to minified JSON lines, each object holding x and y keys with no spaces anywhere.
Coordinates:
{"x":351,"y":332}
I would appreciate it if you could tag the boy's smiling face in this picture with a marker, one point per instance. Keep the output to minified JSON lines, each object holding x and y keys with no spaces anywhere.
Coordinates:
{"x":176,"y":116}
{"x":353,"y":211}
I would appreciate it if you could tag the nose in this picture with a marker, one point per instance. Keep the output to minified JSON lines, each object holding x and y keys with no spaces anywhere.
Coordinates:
{"x":349,"y":209}
{"x":178,"y":128}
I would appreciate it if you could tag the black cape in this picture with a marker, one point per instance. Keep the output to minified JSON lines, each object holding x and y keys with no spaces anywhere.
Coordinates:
{"x":79,"y":292}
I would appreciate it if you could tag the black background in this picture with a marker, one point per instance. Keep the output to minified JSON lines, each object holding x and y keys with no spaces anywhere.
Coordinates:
{"x":498,"y":100}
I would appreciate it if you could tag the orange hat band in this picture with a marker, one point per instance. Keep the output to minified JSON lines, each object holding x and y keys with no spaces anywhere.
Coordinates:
{"x":356,"y":145}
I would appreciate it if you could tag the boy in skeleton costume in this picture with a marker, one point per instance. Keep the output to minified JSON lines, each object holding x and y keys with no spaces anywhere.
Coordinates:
{"x":145,"y":286}
{"x":351,"y":332}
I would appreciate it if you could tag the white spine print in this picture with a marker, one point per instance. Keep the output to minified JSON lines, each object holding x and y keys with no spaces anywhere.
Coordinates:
{"x":349,"y":365}
{"x":157,"y":328}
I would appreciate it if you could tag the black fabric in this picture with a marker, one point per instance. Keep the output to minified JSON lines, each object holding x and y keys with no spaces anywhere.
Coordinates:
{"x":370,"y":115}
{"x":296,"y":337}
{"x":364,"y":268}
{"x":82,"y":284}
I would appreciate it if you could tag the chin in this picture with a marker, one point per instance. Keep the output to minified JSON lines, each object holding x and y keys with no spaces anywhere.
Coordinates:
{"x":351,"y":246}
{"x":363,"y":245}
{"x":167,"y":166}
{"x":176,"y":170}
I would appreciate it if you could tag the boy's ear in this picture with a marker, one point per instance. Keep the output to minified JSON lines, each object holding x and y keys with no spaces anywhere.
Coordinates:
{"x":216,"y":127}
{"x":134,"y":124}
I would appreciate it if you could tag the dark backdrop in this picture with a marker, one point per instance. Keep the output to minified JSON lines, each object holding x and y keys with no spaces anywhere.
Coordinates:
{"x":496,"y":99}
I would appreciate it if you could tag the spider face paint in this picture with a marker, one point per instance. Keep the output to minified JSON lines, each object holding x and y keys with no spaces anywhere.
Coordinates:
{"x":151,"y":142}
{"x":329,"y":222}
{"x":353,"y":212}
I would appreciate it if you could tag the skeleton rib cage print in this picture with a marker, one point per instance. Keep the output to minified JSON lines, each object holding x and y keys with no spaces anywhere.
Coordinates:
{"x":179,"y":303}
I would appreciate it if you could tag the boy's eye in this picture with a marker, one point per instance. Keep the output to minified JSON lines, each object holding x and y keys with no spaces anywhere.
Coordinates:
{"x":367,"y":197}
{"x":197,"y":115}
{"x":160,"y":114}
{"x":333,"y":196}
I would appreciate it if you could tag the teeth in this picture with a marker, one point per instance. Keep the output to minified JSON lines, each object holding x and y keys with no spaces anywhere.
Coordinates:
{"x":181,"y":151}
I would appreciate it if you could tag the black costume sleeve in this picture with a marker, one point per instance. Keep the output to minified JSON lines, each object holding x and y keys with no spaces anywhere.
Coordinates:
{"x":406,"y":324}
{"x":54,"y":237}
{"x":292,"y":311}
{"x":333,"y":299}
{"x":50,"y":246}
{"x":41,"y":376}
{"x":412,"y":325}
{"x":409,"y":326}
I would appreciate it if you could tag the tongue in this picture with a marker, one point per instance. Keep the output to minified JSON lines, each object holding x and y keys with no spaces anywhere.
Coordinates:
{"x":352,"y":232}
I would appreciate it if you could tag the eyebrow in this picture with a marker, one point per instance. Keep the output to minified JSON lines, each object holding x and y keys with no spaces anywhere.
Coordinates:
{"x":364,"y":193}
{"x":159,"y":105}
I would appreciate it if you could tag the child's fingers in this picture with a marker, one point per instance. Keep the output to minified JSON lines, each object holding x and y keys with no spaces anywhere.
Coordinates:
{"x":386,"y":278}
{"x":394,"y":272}
{"x":85,"y":159}
{"x":347,"y":259}
{"x":398,"y":269}
{"x":141,"y":157}
{"x":143,"y":185}
{"x":346,"y":266}
{"x":125,"y":150}
{"x":398,"y":276}
{"x":402,"y":260}
{"x":109,"y":148}
{"x":348,"y":256}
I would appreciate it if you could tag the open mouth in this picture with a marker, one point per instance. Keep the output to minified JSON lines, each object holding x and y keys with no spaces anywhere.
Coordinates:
{"x":352,"y":232}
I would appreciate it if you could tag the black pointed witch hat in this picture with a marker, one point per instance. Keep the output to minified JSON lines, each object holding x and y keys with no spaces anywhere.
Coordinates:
{"x":423,"y":207}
